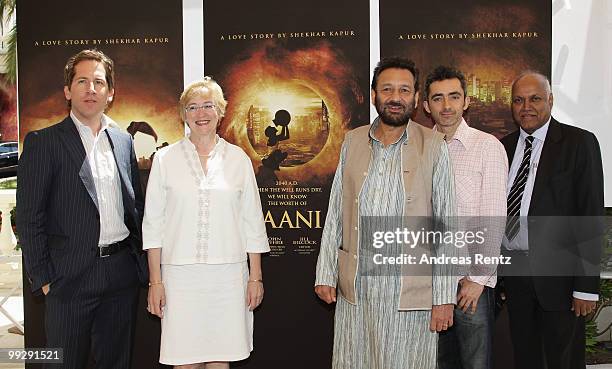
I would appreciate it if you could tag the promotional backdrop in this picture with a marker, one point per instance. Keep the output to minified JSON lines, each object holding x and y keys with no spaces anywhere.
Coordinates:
{"x":491,"y":43}
{"x":296,"y":78}
{"x":145,"y":42}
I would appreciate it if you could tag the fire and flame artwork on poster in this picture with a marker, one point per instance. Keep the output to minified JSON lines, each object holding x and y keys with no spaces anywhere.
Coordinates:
{"x":296,"y":81}
{"x":296,"y":76}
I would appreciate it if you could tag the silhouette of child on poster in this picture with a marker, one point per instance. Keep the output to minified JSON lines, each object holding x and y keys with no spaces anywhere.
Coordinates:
{"x":271,"y":163}
{"x":281,"y":119}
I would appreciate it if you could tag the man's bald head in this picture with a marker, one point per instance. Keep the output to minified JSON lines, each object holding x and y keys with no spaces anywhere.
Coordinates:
{"x":535,"y":76}
{"x":532,"y":101}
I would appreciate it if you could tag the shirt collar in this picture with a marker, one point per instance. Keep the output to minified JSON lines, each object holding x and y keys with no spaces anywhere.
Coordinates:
{"x":105,"y":122}
{"x":218,"y":149}
{"x":375,"y":124}
{"x":539,"y":134}
{"x":462,"y":134}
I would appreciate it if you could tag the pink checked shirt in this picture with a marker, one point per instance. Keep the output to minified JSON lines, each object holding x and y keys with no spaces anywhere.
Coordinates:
{"x":480,"y":166}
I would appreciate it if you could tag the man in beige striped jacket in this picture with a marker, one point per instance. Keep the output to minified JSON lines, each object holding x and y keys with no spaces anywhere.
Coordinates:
{"x":387,"y":316}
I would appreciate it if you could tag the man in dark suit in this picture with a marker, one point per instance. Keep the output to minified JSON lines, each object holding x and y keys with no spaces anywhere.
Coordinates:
{"x":79,"y":215}
{"x":556,"y":179}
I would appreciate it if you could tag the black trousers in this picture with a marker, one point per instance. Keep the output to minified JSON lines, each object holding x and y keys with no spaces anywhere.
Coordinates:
{"x":97,"y":315}
{"x":542,"y":339}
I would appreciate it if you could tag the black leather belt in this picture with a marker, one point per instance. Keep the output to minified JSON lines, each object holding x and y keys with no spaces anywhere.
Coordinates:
{"x":113,"y":248}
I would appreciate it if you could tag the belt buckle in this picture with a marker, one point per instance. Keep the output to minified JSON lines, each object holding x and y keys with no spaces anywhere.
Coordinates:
{"x":100,"y":248}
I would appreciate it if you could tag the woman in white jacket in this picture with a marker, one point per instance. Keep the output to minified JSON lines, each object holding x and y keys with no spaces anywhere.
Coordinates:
{"x":202,"y":222}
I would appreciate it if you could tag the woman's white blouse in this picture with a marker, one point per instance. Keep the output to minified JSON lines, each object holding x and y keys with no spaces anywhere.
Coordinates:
{"x":196,"y":218}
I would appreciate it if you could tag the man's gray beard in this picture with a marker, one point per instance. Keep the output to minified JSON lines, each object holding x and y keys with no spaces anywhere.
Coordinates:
{"x":394,"y":120}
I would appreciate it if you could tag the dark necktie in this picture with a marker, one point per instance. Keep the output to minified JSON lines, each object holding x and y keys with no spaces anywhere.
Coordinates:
{"x":515,"y":196}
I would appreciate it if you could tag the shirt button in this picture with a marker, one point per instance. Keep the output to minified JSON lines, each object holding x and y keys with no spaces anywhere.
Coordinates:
{"x":355,"y":228}
{"x":354,"y":256}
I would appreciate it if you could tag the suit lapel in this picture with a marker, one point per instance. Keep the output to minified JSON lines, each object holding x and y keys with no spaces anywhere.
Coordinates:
{"x":550,"y":153}
{"x":510,"y":143}
{"x":122,"y":159}
{"x":73,"y":144}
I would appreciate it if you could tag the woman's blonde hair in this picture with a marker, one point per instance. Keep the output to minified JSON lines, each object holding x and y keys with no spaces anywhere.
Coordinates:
{"x":195,"y":88}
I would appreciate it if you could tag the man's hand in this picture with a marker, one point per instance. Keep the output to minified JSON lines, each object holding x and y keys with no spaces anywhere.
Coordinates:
{"x":326,"y":293}
{"x":469,"y":293}
{"x":583,"y":307}
{"x":46,"y":288}
{"x":441,"y":317}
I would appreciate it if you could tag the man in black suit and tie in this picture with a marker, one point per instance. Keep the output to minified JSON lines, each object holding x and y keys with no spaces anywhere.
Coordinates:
{"x":79,"y":215}
{"x":556,"y":179}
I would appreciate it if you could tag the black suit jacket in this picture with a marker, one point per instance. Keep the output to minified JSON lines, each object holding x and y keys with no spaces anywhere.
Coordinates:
{"x":565,"y":214}
{"x":57,"y":213}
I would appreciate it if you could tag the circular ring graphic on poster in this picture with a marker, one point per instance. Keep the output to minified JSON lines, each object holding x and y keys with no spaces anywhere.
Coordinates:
{"x":287,"y":126}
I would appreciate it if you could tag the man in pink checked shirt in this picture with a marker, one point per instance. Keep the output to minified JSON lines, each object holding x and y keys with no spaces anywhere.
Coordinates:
{"x":480,"y":166}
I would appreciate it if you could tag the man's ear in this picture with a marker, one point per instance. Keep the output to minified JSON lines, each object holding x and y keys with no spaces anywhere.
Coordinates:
{"x":551,"y":99}
{"x":466,"y":104}
{"x":111,"y":95}
{"x":67,"y":93}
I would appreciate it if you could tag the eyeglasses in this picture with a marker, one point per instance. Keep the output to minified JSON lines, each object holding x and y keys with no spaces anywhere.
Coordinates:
{"x":194,"y":108}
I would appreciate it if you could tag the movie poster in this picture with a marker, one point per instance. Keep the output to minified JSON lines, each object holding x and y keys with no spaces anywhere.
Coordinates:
{"x":145,"y":43}
{"x":296,"y":77}
{"x":490,"y":42}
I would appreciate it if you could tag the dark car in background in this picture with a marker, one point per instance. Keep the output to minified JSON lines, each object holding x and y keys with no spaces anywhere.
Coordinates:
{"x":8,"y":159}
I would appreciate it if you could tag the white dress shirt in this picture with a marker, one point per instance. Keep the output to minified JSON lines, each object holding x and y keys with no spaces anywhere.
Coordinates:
{"x":106,"y":180}
{"x":521,"y":241}
{"x":210,"y":218}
